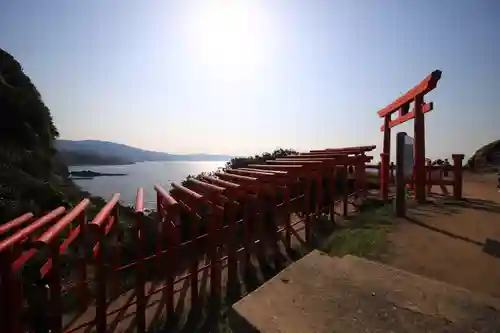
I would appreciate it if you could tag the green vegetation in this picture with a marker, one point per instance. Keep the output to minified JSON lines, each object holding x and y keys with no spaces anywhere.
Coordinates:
{"x":33,"y":177}
{"x":365,"y":235}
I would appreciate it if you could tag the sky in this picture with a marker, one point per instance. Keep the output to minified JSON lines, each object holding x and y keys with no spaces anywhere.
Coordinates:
{"x":243,"y":77}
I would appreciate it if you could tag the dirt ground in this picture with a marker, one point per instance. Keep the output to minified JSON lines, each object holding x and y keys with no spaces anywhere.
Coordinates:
{"x":453,"y":241}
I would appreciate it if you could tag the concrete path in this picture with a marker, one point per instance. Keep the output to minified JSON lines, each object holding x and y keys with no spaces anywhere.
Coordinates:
{"x":322,"y":294}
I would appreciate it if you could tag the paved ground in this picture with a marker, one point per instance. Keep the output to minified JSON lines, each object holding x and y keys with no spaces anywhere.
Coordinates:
{"x":455,"y":242}
{"x":323,"y":294}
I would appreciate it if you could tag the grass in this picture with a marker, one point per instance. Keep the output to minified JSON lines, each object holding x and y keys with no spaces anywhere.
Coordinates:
{"x":365,"y":235}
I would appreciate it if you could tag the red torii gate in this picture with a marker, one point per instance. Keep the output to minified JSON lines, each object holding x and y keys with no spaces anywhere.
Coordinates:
{"x":415,"y":95}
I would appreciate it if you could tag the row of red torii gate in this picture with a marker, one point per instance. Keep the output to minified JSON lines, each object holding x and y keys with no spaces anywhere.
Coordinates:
{"x":213,"y":224}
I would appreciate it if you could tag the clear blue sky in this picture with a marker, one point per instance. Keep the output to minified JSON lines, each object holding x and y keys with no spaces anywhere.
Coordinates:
{"x":242,"y":77}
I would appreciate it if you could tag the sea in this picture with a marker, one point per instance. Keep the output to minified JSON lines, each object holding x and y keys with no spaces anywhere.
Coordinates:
{"x":141,"y":175}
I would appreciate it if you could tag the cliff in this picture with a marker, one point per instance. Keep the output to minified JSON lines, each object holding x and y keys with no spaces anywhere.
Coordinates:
{"x":33,"y":176}
{"x":486,"y":158}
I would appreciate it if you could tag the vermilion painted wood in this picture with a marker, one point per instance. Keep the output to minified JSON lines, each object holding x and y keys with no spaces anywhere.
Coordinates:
{"x":427,"y":85}
{"x":213,"y":193}
{"x":168,"y":209}
{"x":294,"y":170}
{"x":249,"y":183}
{"x":260,"y":174}
{"x":346,"y":150}
{"x":236,"y":178}
{"x":11,"y":281}
{"x":101,"y":218}
{"x":305,"y":163}
{"x":233,"y":190}
{"x":194,"y":201}
{"x":166,"y":197}
{"x":457,"y":175}
{"x":15,"y":223}
{"x":100,"y":227}
{"x":265,"y":178}
{"x":140,"y":269}
{"x":415,"y":95}
{"x":408,"y":116}
{"x":54,"y":231}
{"x":50,"y":239}
{"x":26,"y":232}
{"x":328,"y":158}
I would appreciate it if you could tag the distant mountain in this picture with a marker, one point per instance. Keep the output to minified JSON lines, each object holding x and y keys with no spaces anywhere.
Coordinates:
{"x":69,"y":157}
{"x":87,"y":152}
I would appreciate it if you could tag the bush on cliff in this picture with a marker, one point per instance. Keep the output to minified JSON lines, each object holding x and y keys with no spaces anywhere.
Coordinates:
{"x":33,"y":178}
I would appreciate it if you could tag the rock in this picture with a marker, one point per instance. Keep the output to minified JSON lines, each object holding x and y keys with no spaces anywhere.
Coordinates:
{"x":486,"y":158}
{"x":92,"y":174}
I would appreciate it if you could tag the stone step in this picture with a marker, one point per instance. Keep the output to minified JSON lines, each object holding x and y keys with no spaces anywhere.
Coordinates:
{"x":350,"y":294}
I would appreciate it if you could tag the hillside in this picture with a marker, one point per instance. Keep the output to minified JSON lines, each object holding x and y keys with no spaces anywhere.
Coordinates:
{"x":104,"y":152}
{"x":486,"y":158}
{"x":33,"y":176}
{"x":84,"y":158}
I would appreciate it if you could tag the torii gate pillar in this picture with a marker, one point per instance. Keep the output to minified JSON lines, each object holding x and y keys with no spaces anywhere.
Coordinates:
{"x":415,"y":95}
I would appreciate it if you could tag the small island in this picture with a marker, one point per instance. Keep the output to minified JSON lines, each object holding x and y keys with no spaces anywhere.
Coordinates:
{"x":86,"y":174}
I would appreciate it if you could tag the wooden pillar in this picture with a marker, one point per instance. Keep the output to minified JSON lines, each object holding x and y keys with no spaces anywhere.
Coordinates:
{"x":169,"y":260}
{"x":140,"y":275}
{"x":332,"y":194}
{"x":307,"y":201}
{"x":419,"y":128}
{"x":11,"y":295}
{"x":101,"y":306}
{"x":249,"y":208}
{"x":429,"y":177}
{"x":215,"y":272}
{"x":385,"y":159}
{"x":55,"y":302}
{"x":286,"y":217}
{"x":457,"y":175}
{"x":232,"y":261}
{"x":360,"y":177}
{"x":82,"y":262}
{"x":194,"y":265}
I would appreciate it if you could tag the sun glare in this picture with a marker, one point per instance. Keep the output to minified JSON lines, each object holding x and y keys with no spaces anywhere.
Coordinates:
{"x":231,"y":37}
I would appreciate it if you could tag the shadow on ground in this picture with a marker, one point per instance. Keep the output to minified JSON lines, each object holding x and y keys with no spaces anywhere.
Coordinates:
{"x":264,"y":266}
{"x":446,"y":206}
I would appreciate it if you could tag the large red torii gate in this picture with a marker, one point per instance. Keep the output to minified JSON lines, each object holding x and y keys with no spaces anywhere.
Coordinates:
{"x":415,"y":95}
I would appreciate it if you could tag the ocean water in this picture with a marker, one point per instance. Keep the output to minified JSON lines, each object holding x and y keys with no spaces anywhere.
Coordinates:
{"x":145,"y":175}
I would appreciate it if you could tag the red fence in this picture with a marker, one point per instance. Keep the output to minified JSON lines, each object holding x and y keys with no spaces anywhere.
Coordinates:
{"x":436,"y":175}
{"x":213,"y":225}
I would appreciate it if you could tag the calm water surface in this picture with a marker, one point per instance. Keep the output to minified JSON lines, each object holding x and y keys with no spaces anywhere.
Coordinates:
{"x":145,"y":175}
